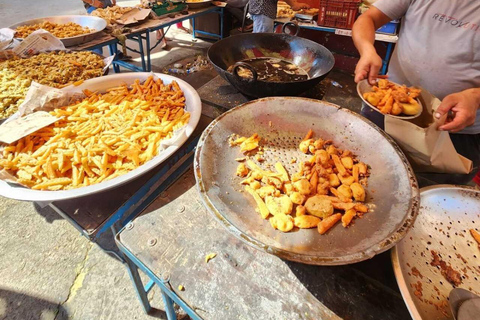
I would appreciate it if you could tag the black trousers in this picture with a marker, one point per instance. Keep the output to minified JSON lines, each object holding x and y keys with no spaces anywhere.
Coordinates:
{"x":468,"y":145}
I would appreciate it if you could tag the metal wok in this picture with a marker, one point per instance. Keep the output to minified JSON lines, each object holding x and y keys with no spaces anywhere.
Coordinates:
{"x":314,"y":58}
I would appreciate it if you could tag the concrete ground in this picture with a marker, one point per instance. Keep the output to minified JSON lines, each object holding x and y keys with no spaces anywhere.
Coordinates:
{"x":47,"y":270}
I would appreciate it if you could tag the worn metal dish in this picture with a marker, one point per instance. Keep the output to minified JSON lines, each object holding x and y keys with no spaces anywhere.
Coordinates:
{"x":446,"y":215}
{"x":193,"y":105}
{"x":364,"y":87}
{"x":198,"y":4}
{"x":96,"y":23}
{"x":392,"y":192}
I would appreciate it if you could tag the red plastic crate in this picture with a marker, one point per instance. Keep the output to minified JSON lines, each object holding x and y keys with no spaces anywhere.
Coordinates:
{"x":338,"y":13}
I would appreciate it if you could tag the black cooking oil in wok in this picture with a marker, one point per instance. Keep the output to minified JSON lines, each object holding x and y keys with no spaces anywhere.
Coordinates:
{"x":274,"y":70}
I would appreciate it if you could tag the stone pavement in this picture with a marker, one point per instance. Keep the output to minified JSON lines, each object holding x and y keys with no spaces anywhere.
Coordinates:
{"x":47,"y":270}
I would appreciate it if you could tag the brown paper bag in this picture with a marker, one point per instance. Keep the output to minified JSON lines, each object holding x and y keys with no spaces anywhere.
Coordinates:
{"x":427,"y":149}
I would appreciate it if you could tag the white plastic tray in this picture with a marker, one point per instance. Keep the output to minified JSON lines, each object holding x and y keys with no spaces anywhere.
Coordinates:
{"x":193,"y":105}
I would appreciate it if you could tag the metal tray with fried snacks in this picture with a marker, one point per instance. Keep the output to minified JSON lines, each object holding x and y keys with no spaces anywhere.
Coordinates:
{"x":126,"y":125}
{"x":95,"y":26}
{"x":391,"y":99}
{"x":392,"y":192}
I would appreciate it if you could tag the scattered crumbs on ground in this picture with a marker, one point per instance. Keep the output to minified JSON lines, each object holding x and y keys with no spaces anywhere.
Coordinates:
{"x":209,"y":257}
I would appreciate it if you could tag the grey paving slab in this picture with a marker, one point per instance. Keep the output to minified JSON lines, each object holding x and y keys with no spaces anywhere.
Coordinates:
{"x":39,"y":258}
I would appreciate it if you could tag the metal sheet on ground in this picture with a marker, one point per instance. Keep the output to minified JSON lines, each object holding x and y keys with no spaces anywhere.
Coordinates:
{"x":244,"y":283}
{"x":447,"y":213}
{"x":392,"y":212}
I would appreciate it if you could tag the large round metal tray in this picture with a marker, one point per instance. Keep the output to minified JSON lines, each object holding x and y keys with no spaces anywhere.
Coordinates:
{"x":96,"y":23}
{"x":446,"y":215}
{"x":193,"y":105}
{"x":393,"y":192}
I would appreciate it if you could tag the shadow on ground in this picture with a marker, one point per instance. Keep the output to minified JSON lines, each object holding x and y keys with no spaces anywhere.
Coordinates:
{"x":18,"y":306}
{"x":356,"y":291}
{"x":47,"y":213}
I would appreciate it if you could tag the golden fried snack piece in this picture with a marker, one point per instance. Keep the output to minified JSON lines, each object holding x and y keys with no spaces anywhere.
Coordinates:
{"x":298,"y":198}
{"x":358,"y":191}
{"x":251,"y":143}
{"x":319,"y":207}
{"x":327,"y":223}
{"x":99,"y":138}
{"x":282,"y":222}
{"x":242,"y":170}
{"x":347,"y":217}
{"x":303,"y":186}
{"x":475,"y":235}
{"x":300,"y":211}
{"x":264,"y":212}
{"x":279,"y":205}
{"x":345,"y":191}
{"x":306,"y":222}
{"x":59,"y":30}
{"x":283,"y":173}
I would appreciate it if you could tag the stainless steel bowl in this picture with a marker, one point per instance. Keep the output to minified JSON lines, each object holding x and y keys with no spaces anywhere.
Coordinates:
{"x":96,"y":23}
{"x":199,"y":4}
{"x":364,"y":87}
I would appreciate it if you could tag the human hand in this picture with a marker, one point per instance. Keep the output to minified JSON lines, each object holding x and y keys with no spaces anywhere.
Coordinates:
{"x":368,"y":67}
{"x":300,"y":6}
{"x":464,"y":106}
{"x":114,"y":2}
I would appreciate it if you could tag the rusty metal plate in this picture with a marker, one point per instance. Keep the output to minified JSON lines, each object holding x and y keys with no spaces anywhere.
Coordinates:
{"x":447,"y":213}
{"x":392,"y":193}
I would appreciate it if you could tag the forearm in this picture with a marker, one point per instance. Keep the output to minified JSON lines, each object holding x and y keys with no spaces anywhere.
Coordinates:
{"x":363,"y":34}
{"x":94,"y":3}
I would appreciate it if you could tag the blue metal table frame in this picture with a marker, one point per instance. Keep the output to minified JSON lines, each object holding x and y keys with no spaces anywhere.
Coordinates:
{"x":388,"y":40}
{"x":142,"y":37}
{"x":146,"y":37}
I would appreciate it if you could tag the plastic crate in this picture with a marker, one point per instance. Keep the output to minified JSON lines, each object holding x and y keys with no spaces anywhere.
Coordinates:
{"x":389,"y":28}
{"x":338,"y":13}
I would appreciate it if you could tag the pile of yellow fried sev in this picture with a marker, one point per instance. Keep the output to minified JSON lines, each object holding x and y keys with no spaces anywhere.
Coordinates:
{"x":56,"y":69}
{"x":327,"y":188}
{"x":99,"y":138}
{"x":59,"y":30}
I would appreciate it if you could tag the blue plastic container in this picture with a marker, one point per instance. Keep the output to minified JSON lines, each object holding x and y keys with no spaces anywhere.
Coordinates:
{"x":389,"y":28}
